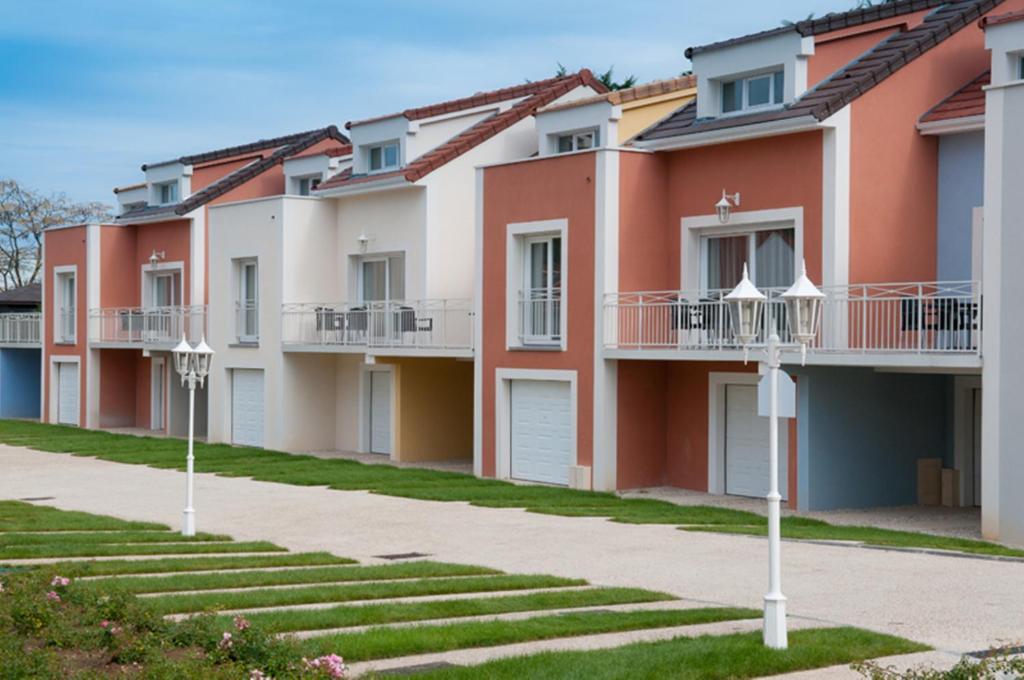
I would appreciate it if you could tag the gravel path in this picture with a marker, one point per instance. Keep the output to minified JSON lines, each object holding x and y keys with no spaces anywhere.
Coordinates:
{"x":956,"y":604}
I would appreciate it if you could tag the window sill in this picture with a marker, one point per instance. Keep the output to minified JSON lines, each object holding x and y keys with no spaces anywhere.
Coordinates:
{"x":553,"y":347}
{"x":65,"y":343}
{"x":244,"y":343}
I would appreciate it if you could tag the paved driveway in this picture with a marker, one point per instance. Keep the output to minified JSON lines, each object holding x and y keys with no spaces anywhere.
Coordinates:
{"x":956,"y":604}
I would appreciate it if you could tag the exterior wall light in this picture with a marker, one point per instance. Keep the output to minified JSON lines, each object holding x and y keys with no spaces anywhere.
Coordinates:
{"x":363,"y":240}
{"x":724,"y":207}
{"x":193,"y":365}
{"x":156,"y":257}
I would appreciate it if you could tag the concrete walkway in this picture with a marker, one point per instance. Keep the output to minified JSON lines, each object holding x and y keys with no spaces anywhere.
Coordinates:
{"x":957,"y":604}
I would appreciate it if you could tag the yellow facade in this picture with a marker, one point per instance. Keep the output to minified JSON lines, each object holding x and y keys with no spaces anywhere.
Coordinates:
{"x":640,"y":114}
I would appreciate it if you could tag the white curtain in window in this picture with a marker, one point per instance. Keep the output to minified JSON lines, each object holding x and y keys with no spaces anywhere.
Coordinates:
{"x":773,"y":254}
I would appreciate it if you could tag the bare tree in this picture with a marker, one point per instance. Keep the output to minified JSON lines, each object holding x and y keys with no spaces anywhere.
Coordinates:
{"x":24,"y":214}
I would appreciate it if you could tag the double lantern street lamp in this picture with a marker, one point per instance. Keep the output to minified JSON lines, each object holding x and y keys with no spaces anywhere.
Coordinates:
{"x":193,"y":365}
{"x":803,"y":303}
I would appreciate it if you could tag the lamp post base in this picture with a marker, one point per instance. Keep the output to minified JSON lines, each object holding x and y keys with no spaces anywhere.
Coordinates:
{"x":188,"y":527}
{"x":775,"y":622}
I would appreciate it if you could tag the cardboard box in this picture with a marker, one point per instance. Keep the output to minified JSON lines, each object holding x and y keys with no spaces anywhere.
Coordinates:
{"x":951,"y":488}
{"x":929,"y":481}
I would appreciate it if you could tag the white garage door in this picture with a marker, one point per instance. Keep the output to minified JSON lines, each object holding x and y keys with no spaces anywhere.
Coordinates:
{"x":67,"y":393}
{"x":746,"y":445}
{"x":247,"y":407}
{"x":380,"y":412}
{"x":541,"y":431}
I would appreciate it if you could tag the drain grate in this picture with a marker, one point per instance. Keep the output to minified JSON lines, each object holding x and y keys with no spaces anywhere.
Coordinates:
{"x":38,"y":498}
{"x":402,"y":556}
{"x":419,"y":668}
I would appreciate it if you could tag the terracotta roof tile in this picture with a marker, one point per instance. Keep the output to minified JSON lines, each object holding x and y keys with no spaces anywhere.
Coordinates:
{"x":847,"y":84}
{"x":969,"y":100}
{"x":655,"y":88}
{"x":236,"y":178}
{"x":482,"y":99}
{"x":476,"y":134}
{"x":231,"y":151}
{"x":1007,"y":18}
{"x":332,"y":152}
{"x":835,"y":21}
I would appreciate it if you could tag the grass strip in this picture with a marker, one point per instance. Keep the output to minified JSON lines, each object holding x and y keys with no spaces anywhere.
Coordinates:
{"x":371,"y":614}
{"x":708,"y":657}
{"x":22,"y":516}
{"x":811,"y":530}
{"x":104,"y":549}
{"x":383,"y":643}
{"x":179,"y":604}
{"x":63,"y":538}
{"x":437,"y":485}
{"x":171,"y":565}
{"x":254,"y":579}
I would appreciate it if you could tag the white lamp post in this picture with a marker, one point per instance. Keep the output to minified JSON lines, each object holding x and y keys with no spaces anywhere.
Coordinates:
{"x":193,"y":365}
{"x":803,"y":303}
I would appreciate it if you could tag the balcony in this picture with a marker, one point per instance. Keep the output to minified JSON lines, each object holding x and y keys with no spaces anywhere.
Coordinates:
{"x":146,"y":327}
{"x":20,"y":330}
{"x":393,"y":327}
{"x":540,"y":317}
{"x":902,"y":324}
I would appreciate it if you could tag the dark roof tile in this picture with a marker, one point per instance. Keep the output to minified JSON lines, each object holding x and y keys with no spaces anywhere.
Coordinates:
{"x":967,"y":101}
{"x":241,"y":149}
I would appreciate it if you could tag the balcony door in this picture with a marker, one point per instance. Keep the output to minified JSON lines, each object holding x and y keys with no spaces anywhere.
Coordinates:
{"x":768,"y":253}
{"x":161,"y":299}
{"x":381,"y":290}
{"x":542,"y":295}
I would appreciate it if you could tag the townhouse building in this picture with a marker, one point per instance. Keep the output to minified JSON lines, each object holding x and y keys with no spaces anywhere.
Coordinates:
{"x":117,"y":297}
{"x":860,"y":144}
{"x":363,"y":339}
{"x":20,"y":351}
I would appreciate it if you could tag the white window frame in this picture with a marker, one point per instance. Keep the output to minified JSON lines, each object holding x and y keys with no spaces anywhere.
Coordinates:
{"x":169,"y":186}
{"x":694,"y":229}
{"x":518,"y":235}
{"x":388,"y":259}
{"x":744,"y":84}
{"x":575,"y":136}
{"x":60,"y":276}
{"x":315,"y":177}
{"x":241,"y":301}
{"x":149,"y":274}
{"x":1020,"y":66}
{"x":384,"y":167}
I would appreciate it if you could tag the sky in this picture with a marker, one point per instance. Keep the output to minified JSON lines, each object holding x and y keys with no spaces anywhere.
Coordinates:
{"x":90,"y":90}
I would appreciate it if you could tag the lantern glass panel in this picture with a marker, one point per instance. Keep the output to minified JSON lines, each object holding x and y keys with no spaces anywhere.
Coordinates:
{"x":803,"y":318}
{"x":746,"y":317}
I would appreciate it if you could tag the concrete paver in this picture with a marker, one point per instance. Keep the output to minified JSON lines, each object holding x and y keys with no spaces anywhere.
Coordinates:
{"x":954,"y":603}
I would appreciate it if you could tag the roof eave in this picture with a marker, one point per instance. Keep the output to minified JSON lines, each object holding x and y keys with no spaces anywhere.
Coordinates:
{"x":952,"y":126}
{"x":367,"y":187}
{"x":732,"y":134}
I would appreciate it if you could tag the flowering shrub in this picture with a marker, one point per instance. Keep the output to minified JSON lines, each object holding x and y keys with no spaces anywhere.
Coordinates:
{"x":60,"y":581}
{"x":329,"y":665}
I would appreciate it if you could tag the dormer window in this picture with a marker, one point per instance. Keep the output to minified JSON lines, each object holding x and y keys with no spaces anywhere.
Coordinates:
{"x":167,"y":192}
{"x":383,"y":157}
{"x":307,"y":185}
{"x":577,"y":141}
{"x":754,"y":92}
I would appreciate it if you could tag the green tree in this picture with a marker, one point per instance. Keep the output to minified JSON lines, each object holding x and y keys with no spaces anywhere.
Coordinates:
{"x":607,"y":78}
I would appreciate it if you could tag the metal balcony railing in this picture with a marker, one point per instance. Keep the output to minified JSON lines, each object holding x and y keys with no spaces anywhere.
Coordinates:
{"x":247,"y":321}
{"x":919,"y":318}
{"x":147,"y":325}
{"x":445,"y":324}
{"x":540,"y":316}
{"x":20,"y":328}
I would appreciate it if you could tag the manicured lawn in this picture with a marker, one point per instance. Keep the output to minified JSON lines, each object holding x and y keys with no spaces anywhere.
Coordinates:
{"x":254,"y":579}
{"x":383,"y":643}
{"x":20,"y":516}
{"x":707,"y":657}
{"x":82,"y":537}
{"x":369,"y":614}
{"x":809,"y":529}
{"x":434,"y":485}
{"x":186,"y":564}
{"x":246,"y":599}
{"x":106,"y":549}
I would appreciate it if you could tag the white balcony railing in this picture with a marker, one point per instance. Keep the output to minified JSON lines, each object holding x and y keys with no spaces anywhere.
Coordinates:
{"x":411,"y":324}
{"x":20,"y":329}
{"x":921,"y":318}
{"x":66,"y":329}
{"x":540,"y":316}
{"x":247,"y":322}
{"x":147,"y":325}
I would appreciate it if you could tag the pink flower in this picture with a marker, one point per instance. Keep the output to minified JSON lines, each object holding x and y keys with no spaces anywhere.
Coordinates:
{"x":225,"y":641}
{"x":60,"y":581}
{"x":331,"y":664}
{"x":104,"y":623}
{"x":241,"y":623}
{"x":53,"y":597}
{"x":257,"y":674}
